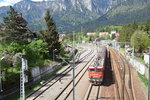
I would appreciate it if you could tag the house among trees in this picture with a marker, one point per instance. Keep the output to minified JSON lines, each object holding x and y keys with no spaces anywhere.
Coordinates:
{"x":117,"y":34}
{"x":2,"y":28}
{"x":90,"y":33}
{"x":61,"y":37}
{"x":103,"y":33}
{"x":114,"y":34}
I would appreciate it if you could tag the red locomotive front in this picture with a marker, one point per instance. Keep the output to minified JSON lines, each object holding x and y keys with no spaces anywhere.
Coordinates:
{"x":96,"y":71}
{"x":95,"y":74}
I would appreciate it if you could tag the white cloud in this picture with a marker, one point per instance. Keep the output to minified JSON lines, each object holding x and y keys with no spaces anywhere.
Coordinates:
{"x":4,"y":4}
{"x":12,"y":2}
{"x":38,"y":0}
{"x":42,"y":0}
{"x":8,"y":2}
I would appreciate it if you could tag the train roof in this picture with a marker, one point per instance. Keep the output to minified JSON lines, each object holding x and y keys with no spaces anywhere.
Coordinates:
{"x":99,"y":63}
{"x":96,"y":66}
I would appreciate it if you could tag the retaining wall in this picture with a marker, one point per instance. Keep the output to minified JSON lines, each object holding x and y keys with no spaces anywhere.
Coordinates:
{"x":38,"y":72}
{"x":140,"y":67}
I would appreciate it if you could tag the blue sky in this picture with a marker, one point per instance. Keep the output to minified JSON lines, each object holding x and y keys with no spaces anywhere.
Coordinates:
{"x":11,"y":2}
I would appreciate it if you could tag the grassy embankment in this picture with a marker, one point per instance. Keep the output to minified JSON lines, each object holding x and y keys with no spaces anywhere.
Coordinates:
{"x":143,"y":79}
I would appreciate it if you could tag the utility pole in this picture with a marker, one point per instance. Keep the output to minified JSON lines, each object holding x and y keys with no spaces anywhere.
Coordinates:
{"x":1,"y":90}
{"x":0,"y":79}
{"x":73,"y":68}
{"x":149,"y":77}
{"x":23,"y":77}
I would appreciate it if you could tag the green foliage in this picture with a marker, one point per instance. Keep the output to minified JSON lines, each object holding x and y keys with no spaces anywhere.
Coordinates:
{"x":14,"y":48}
{"x":109,"y":28}
{"x":38,"y":46}
{"x":36,"y":52}
{"x":143,"y":79}
{"x":15,"y":27}
{"x":90,"y":38}
{"x":78,"y":37}
{"x":106,"y":37}
{"x":113,"y":36}
{"x":127,"y":31}
{"x":147,"y":26}
{"x":140,"y":41}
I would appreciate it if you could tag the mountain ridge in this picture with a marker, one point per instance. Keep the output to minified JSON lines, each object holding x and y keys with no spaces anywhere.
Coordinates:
{"x":123,"y":13}
{"x":69,"y":13}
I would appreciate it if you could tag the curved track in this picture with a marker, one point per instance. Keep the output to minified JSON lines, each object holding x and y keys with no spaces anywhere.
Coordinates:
{"x":122,"y":75}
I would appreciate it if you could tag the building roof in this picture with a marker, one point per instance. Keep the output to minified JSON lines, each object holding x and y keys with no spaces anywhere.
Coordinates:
{"x":117,"y":34}
{"x":90,"y":33}
{"x":103,"y":33}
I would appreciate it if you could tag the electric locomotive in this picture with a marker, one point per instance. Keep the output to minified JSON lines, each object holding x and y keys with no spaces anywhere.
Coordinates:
{"x":96,"y":70}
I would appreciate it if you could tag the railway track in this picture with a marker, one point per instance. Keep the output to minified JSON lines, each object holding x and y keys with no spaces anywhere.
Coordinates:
{"x":129,"y":82}
{"x":122,"y":76}
{"x":116,"y":94}
{"x":93,"y":92}
{"x":78,"y":77}
{"x":55,"y":79}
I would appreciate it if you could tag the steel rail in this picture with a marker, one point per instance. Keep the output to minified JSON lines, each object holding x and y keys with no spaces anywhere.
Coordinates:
{"x":72,"y":80}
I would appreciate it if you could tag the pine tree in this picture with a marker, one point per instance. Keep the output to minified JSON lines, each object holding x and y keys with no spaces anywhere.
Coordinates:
{"x":147,"y":27}
{"x":50,"y":35}
{"x":15,"y":26}
{"x":134,"y":25}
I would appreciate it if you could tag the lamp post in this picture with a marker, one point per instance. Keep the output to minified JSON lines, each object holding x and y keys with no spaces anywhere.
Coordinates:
{"x":1,"y":90}
{"x":53,"y":55}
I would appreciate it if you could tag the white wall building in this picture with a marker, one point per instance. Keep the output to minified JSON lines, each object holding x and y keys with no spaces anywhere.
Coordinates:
{"x":146,"y":58}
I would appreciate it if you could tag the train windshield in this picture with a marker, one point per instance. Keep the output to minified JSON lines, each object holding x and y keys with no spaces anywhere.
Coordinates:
{"x":99,"y":70}
{"x":91,"y":70}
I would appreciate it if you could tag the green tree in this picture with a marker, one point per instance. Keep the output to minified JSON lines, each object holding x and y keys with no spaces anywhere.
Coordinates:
{"x":147,"y":26}
{"x":140,"y":41}
{"x":134,"y":25}
{"x":51,"y":35}
{"x":113,"y":36}
{"x":126,"y":33}
{"x":15,"y":27}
